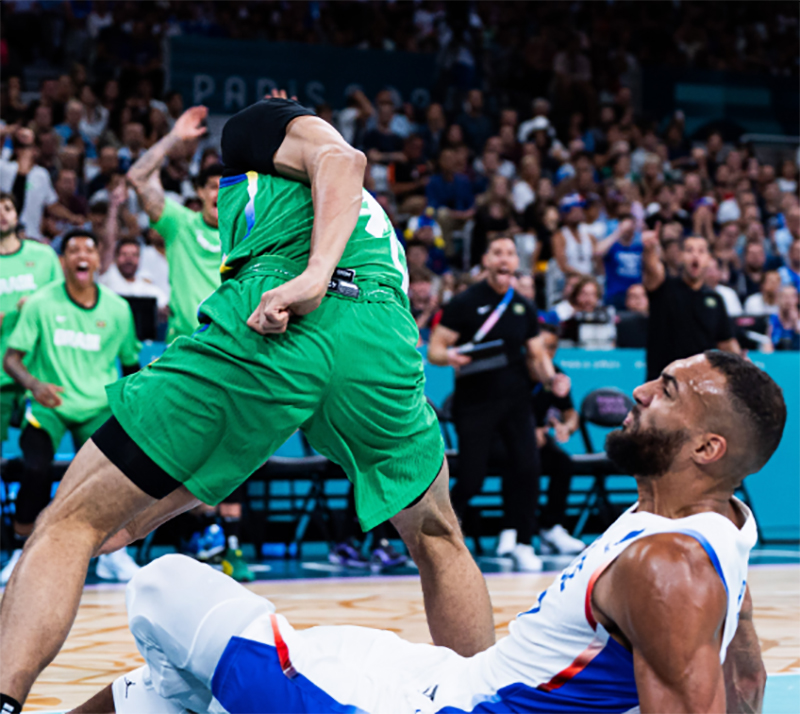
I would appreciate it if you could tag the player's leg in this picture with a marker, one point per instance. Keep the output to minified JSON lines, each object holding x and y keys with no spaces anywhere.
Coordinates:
{"x":41,"y":600}
{"x":457,"y":602}
{"x":376,"y":424}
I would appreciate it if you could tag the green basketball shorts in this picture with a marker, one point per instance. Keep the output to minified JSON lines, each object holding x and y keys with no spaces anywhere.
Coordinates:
{"x":56,"y":426}
{"x":215,"y":406}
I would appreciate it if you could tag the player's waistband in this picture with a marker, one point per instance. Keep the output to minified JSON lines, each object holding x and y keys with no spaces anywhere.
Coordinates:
{"x":345,"y":282}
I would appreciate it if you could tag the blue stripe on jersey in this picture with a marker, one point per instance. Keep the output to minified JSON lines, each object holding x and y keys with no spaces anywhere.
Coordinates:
{"x":249,"y":679}
{"x":606,"y":685}
{"x":707,"y":547}
{"x":232,"y":180}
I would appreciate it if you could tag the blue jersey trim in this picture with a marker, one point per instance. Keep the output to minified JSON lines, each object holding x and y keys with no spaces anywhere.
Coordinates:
{"x":712,"y":555}
{"x":249,"y":680}
{"x":232,"y":180}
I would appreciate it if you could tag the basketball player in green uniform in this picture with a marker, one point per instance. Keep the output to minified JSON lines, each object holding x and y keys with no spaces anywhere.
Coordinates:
{"x":70,"y":334}
{"x":25,"y":266}
{"x":310,"y":329}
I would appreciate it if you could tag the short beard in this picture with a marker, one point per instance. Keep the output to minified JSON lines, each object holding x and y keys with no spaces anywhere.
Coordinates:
{"x":648,"y":453}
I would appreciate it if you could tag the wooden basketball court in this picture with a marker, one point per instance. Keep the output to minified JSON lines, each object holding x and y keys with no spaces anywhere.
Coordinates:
{"x":100,"y":647}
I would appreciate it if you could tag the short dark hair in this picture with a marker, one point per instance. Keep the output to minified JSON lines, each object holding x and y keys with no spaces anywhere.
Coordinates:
{"x":5,"y":196}
{"x":207,"y":173}
{"x":78,"y":233}
{"x":755,"y":396}
{"x":128,"y":240}
{"x":414,"y":243}
{"x":420,"y":275}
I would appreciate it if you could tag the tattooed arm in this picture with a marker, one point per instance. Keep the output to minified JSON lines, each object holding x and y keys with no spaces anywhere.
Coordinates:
{"x":144,"y":174}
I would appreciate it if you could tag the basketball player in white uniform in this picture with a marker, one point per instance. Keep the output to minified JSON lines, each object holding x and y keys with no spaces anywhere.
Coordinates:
{"x":654,"y":617}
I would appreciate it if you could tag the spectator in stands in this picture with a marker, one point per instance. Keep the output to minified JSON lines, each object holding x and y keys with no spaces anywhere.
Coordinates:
{"x":748,"y":281}
{"x":790,"y":233}
{"x":382,"y":144}
{"x":48,"y":143}
{"x":423,"y":297}
{"x":450,"y":195}
{"x":493,"y":217}
{"x":432,"y":132}
{"x":573,"y":245}
{"x":524,"y":191}
{"x":410,"y":176}
{"x":765,"y":302}
{"x":784,"y":327}
{"x":174,"y":102}
{"x":715,"y":281}
{"x":671,"y":333}
{"x":133,"y":140}
{"x":108,"y":165}
{"x":94,"y":119}
{"x":122,"y":276}
{"x":70,"y":203}
{"x":476,"y":125}
{"x":556,"y":421}
{"x":491,"y":397}
{"x":589,"y":323}
{"x":790,"y":273}
{"x":668,"y":210}
{"x":621,"y":254}
{"x":31,"y":187}
{"x":73,"y":334}
{"x":672,"y":246}
{"x":636,"y":300}
{"x":72,"y":128}
{"x":42,"y":120}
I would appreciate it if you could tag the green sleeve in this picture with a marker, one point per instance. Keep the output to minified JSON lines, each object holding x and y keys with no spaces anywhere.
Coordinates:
{"x":130,"y":347}
{"x":173,"y":220}
{"x":26,"y":333}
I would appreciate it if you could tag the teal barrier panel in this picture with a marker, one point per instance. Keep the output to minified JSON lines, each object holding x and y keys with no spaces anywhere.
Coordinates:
{"x":775,"y":491}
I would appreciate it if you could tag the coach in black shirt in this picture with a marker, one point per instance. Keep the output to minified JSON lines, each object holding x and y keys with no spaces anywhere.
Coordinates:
{"x":686,"y":317}
{"x":493,"y":402}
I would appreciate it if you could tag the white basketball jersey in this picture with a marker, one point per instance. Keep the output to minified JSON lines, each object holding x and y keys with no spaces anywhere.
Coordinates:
{"x":558,"y":658}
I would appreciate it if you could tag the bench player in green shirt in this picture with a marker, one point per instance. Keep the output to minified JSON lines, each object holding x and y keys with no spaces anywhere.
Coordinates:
{"x":70,"y":333}
{"x":25,"y":266}
{"x":310,"y":329}
{"x":191,"y":238}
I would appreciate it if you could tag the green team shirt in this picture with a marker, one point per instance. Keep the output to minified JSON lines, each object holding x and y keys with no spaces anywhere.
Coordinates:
{"x":270,"y":215}
{"x":193,"y":253}
{"x":76,"y":347}
{"x":33,"y":266}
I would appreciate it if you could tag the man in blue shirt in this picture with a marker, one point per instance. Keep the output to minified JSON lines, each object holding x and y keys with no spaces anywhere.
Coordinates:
{"x":71,"y":127}
{"x":622,"y":256}
{"x":450,"y":195}
{"x":790,"y":273}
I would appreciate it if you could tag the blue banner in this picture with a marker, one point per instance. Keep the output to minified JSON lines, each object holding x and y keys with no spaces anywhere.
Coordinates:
{"x":228,"y":75}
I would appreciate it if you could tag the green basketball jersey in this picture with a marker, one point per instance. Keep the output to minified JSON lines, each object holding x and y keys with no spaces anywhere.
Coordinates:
{"x":33,"y":266}
{"x":76,"y":347}
{"x":270,"y":215}
{"x":193,"y":254}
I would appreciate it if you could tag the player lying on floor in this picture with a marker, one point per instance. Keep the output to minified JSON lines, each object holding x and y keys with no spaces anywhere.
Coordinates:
{"x":655,"y":614}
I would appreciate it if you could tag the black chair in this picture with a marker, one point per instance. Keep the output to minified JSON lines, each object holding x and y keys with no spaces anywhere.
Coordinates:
{"x":605,"y":407}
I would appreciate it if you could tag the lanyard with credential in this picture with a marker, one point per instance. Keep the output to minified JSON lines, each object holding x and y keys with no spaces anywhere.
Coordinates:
{"x":492,"y":320}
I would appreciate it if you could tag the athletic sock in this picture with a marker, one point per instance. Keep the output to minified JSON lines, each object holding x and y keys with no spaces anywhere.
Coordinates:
{"x":9,"y":705}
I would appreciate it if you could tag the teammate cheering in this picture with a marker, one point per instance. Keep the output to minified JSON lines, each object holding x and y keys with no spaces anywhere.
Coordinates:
{"x":25,"y":266}
{"x":310,"y":329}
{"x":70,"y":333}
{"x":191,"y":239}
{"x":654,"y":616}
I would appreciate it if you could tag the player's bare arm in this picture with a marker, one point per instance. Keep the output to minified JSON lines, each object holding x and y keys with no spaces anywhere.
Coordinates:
{"x":745,"y":675}
{"x":663,"y":599}
{"x":314,"y":152}
{"x":44,"y":393}
{"x":653,"y":273}
{"x":144,"y":174}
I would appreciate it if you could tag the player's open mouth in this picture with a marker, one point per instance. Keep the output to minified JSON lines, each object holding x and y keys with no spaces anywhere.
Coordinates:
{"x":82,"y":270}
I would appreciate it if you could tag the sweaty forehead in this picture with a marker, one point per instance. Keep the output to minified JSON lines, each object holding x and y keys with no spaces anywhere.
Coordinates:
{"x":697,"y":378}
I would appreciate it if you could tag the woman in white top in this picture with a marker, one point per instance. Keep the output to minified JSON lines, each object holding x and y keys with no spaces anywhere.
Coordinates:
{"x":766,"y":301}
{"x":573,"y":244}
{"x":524,"y":192}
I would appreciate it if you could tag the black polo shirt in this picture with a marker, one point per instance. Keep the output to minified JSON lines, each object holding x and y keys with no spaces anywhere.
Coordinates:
{"x":519,"y":323}
{"x":683,"y":322}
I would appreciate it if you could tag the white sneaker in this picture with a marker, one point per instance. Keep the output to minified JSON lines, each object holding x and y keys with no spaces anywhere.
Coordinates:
{"x":5,"y":575}
{"x":525,"y":559}
{"x":506,"y":542}
{"x":557,"y":539}
{"x":116,"y":566}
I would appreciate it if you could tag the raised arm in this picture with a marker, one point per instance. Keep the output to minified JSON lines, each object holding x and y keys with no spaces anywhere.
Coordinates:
{"x":663,"y":598}
{"x":653,"y":273}
{"x":144,"y":174}
{"x":117,"y":197}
